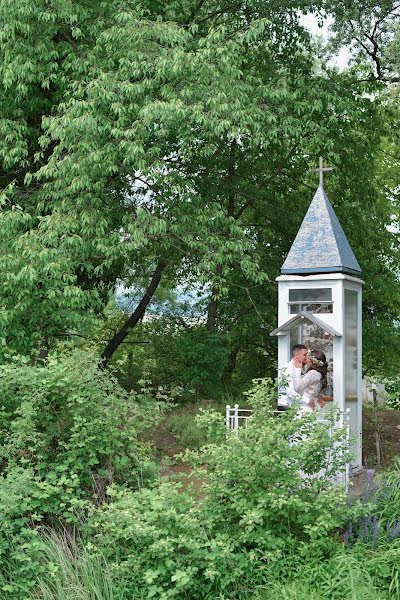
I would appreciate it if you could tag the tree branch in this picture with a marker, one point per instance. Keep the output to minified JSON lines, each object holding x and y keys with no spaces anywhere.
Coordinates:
{"x":135,"y":317}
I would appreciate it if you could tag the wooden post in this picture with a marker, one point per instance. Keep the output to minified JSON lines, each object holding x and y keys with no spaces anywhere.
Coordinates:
{"x":228,"y":417}
{"x":236,"y":417}
{"x":377,"y":434}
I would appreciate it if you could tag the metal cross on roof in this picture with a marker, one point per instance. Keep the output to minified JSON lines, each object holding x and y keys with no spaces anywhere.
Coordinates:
{"x":321,"y":170}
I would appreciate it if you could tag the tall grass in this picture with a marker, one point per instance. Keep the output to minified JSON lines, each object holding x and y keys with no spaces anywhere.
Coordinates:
{"x":352,"y":587}
{"x":182,"y":423}
{"x":353,"y":574}
{"x":289,"y":591}
{"x":73,"y":574}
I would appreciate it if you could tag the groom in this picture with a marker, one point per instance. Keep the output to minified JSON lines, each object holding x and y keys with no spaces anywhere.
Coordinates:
{"x":291,"y":372}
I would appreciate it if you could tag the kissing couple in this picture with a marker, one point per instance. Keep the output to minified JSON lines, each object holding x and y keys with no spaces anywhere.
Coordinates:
{"x":303,"y":380}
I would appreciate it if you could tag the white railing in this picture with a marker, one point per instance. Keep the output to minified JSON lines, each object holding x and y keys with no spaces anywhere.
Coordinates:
{"x":238,"y":417}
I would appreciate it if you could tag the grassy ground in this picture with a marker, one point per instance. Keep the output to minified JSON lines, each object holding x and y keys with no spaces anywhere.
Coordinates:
{"x":384,"y":424}
{"x":80,"y":576}
{"x":178,"y":431}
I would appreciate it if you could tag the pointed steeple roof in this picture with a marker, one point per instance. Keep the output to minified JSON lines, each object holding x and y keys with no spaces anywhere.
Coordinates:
{"x":320,"y":245}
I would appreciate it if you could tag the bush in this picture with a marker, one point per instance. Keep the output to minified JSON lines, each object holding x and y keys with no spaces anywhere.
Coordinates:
{"x":392,"y":392}
{"x":189,"y":359}
{"x":271,"y":482}
{"x":196,"y":430}
{"x":67,"y":431}
{"x":289,"y":591}
{"x":185,"y":429}
{"x":363,"y":572}
{"x":386,"y":499}
{"x":265,"y":495}
{"x":266,"y":523}
{"x":155,"y":542}
{"x":70,"y":571}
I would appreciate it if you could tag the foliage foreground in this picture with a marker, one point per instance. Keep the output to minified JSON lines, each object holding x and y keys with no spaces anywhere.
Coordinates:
{"x":82,"y":516}
{"x":67,"y":432}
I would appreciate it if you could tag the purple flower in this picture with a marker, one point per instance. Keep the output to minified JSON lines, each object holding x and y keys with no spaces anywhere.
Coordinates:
{"x":393,"y":530}
{"x":348,"y":536}
{"x":375,"y":529}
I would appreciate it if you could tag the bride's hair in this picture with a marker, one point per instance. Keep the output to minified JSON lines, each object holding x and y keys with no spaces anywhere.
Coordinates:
{"x":319,"y":357}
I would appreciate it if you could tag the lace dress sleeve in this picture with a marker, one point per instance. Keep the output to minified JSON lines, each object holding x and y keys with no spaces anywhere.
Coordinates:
{"x":310,"y":378}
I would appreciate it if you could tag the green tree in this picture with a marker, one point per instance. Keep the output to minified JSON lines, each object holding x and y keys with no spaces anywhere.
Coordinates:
{"x":170,"y":142}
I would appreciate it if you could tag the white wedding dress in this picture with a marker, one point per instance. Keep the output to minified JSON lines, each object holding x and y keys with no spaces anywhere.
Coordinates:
{"x":309,"y":387}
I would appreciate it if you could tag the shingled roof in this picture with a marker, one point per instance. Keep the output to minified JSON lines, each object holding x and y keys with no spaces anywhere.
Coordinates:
{"x":320,"y":245}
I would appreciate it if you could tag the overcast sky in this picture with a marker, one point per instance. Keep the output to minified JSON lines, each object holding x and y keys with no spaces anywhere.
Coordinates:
{"x":311,"y":23}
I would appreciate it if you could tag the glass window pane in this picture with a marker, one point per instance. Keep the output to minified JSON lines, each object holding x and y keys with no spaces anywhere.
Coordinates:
{"x":311,"y":295}
{"x":315,"y":338}
{"x":295,"y":337}
{"x":350,"y":356}
{"x":317,"y":308}
{"x":351,"y":362}
{"x":294,"y":309}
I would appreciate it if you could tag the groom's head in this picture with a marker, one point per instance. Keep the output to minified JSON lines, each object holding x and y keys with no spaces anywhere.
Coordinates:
{"x":299,"y":352}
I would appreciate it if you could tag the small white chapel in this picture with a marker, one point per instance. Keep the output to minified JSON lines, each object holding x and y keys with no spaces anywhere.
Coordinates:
{"x":319,"y":305}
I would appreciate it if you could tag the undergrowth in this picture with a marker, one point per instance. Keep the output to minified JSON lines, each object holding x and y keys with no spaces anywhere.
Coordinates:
{"x":267,"y":523}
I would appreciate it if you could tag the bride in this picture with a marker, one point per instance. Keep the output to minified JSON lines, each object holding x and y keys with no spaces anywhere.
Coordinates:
{"x":313,"y":382}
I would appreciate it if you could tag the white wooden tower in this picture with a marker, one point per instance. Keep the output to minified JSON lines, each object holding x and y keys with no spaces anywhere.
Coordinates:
{"x":320,"y":294}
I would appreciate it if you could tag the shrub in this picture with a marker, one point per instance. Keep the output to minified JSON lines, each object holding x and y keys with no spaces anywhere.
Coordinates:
{"x":271,"y":482}
{"x":392,"y":392}
{"x":155,"y":542}
{"x":289,"y":591}
{"x":190,"y":359}
{"x":386,"y":498}
{"x":363,"y":572}
{"x":266,"y":494}
{"x":185,"y":429}
{"x":72,"y":571}
{"x":67,"y":431}
{"x":196,"y":430}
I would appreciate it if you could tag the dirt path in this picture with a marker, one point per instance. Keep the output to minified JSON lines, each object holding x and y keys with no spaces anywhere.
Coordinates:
{"x":168,"y":449}
{"x":165,"y":442}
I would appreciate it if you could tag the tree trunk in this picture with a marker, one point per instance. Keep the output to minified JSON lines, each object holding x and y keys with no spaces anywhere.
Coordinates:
{"x":44,"y":349}
{"x":231,"y":365}
{"x":212,"y":306}
{"x":119,"y":337}
{"x":212,"y":315}
{"x":378,"y":445}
